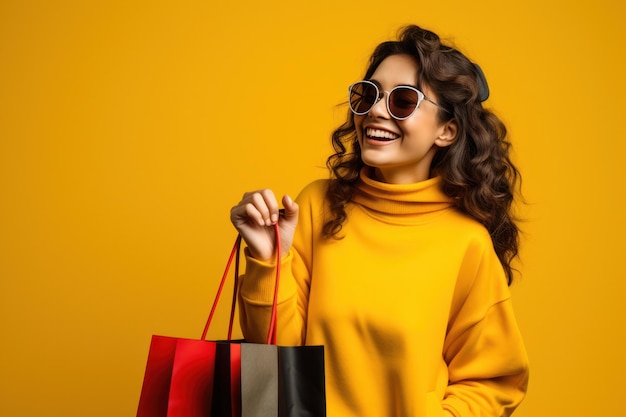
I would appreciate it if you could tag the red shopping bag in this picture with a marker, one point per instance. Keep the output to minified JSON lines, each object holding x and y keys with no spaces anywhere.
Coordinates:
{"x":194,"y":377}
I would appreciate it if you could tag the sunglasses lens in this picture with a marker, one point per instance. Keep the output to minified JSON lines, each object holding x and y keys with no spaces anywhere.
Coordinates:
{"x":362,"y":97}
{"x":402,"y":102}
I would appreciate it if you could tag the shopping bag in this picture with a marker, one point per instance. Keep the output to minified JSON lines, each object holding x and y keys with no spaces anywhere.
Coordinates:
{"x":199,"y":378}
{"x":194,"y":377}
{"x":173,"y":385}
{"x":226,"y":395}
{"x":283,"y":381}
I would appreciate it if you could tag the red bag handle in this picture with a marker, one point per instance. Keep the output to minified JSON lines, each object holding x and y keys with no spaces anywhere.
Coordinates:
{"x":271,"y":334}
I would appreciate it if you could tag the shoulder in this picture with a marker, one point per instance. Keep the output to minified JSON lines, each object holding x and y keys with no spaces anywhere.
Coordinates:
{"x":468,"y":228}
{"x":479,"y":268}
{"x":314,"y":192}
{"x":312,"y":202}
{"x":469,"y":241}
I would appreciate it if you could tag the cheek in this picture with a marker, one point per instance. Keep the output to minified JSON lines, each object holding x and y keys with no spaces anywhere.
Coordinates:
{"x":358,"y":124}
{"x":418,"y":127}
{"x":409,"y":130}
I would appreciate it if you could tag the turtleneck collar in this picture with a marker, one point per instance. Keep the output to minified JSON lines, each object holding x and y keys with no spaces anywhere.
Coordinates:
{"x":400,"y":199}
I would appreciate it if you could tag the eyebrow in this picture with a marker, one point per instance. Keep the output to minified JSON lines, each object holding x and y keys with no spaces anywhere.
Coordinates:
{"x":399,"y":85}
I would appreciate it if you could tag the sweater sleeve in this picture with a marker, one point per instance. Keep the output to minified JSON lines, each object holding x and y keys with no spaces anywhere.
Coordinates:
{"x":255,"y":299}
{"x":486,"y":357}
{"x":256,"y":290}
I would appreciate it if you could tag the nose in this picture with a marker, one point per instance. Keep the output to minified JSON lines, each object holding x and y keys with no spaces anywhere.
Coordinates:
{"x":379,"y":109}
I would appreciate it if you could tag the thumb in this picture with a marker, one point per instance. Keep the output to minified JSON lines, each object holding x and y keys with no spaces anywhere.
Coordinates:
{"x":291,"y":209}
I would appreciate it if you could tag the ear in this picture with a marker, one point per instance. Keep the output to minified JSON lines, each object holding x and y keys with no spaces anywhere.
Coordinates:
{"x":447,"y":134}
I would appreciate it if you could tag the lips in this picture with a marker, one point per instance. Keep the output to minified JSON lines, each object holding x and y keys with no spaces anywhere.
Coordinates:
{"x":380,"y":134}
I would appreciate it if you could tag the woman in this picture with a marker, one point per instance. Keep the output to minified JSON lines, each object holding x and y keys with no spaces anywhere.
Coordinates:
{"x":399,"y":264}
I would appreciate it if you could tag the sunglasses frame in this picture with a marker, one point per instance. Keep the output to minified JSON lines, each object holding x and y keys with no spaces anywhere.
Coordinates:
{"x":420,"y":97}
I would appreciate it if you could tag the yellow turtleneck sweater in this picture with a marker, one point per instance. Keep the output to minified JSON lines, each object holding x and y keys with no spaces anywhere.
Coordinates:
{"x":412,"y":306}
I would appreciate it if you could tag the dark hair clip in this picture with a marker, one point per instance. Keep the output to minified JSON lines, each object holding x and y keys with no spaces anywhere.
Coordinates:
{"x":483,"y":87}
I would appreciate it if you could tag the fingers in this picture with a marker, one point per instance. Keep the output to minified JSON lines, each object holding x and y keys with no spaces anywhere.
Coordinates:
{"x":255,"y":213}
{"x":259,"y":207}
{"x":265,"y":207}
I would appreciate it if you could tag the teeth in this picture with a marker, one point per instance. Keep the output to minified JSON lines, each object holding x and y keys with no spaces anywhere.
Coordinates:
{"x":382,"y":134}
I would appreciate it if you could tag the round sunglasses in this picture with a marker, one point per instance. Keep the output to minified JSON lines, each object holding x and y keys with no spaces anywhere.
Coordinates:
{"x":401,"y":101}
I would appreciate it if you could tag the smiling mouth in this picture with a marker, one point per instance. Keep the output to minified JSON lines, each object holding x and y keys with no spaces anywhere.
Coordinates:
{"x":379,"y":134}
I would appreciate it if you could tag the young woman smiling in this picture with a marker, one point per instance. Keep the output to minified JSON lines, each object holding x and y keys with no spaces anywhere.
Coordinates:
{"x":399,"y":263}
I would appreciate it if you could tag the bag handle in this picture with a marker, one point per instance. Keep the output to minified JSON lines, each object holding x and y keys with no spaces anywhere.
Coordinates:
{"x":235,"y":254}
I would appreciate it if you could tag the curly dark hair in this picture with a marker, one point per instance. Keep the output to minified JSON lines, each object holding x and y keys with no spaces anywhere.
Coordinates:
{"x":476,"y":170}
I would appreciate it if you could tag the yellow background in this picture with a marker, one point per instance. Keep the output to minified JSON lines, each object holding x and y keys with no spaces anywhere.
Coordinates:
{"x":129,"y":128}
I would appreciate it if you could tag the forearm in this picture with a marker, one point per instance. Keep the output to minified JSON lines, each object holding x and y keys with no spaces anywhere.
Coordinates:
{"x":488,"y":367}
{"x":256,"y":296}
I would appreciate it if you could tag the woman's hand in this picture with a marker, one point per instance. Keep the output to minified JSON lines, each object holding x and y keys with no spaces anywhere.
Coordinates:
{"x":254,"y":216}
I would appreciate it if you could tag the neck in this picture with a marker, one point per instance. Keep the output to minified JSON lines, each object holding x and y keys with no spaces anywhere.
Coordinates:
{"x":391,"y":176}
